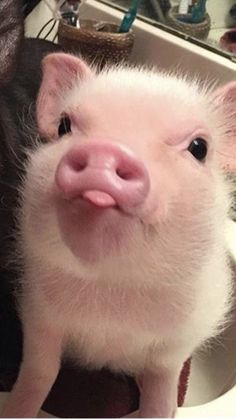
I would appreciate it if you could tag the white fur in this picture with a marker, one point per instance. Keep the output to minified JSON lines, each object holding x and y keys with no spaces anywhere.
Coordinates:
{"x":152,"y":302}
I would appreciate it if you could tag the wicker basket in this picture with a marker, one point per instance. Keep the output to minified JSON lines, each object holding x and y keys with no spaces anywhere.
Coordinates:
{"x":197,"y":30}
{"x":97,"y":42}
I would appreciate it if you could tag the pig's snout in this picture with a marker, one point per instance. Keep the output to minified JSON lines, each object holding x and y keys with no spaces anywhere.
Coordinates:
{"x":106,"y":175}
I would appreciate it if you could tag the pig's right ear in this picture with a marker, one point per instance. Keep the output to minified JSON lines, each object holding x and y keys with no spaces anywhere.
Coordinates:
{"x":60,"y":72}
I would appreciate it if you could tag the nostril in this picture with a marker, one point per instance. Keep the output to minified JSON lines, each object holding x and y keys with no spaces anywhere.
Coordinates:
{"x":78,"y":165}
{"x":129,"y":172}
{"x":125,"y":174}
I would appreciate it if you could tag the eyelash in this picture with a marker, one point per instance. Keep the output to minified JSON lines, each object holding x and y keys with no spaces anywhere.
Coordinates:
{"x":64,"y":126}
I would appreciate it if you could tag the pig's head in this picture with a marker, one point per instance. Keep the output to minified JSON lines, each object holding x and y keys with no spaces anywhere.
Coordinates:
{"x":128,"y":178}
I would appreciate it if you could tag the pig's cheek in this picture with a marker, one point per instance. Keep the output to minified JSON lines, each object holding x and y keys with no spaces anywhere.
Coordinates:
{"x":38,"y":211}
{"x":155,"y":210}
{"x":162,"y":192}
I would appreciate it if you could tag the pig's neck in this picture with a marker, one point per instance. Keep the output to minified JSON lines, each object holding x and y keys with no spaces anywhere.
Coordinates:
{"x":69,"y":294}
{"x":154,"y":280}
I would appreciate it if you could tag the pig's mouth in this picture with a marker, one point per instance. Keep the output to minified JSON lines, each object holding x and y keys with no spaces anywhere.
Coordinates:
{"x":95,"y":207}
{"x":100,"y":202}
{"x":99,"y":199}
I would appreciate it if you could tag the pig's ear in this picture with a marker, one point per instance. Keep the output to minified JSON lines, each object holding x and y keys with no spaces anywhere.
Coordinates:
{"x":225,"y":99}
{"x":60,"y":72}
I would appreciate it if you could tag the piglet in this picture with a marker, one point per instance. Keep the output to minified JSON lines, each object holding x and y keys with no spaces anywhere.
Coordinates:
{"x":121,"y":233}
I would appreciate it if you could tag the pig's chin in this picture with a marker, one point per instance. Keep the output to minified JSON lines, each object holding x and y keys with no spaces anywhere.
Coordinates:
{"x":93,"y":233}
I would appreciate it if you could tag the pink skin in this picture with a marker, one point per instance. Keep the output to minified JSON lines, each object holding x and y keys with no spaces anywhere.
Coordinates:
{"x":93,"y":176}
{"x":115,"y":217}
{"x":161,"y":382}
{"x":106,"y":175}
{"x":40,"y":366}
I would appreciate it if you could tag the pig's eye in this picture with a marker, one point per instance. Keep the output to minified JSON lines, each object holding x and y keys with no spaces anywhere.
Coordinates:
{"x":64,"y":126}
{"x":198,"y":148}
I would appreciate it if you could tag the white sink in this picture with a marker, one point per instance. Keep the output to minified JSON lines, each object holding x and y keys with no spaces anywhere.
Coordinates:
{"x":212,"y":384}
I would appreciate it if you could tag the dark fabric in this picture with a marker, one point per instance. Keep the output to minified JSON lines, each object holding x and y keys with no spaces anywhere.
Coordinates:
{"x":92,"y":394}
{"x":87,"y":394}
{"x":99,"y":394}
{"x":11,"y":36}
{"x":183,"y":382}
{"x":28,"y":6}
{"x":17,"y":100}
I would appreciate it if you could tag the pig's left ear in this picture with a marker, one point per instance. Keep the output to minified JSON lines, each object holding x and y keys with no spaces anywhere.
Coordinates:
{"x":225,"y":99}
{"x":60,"y":72}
